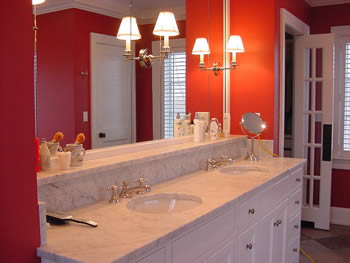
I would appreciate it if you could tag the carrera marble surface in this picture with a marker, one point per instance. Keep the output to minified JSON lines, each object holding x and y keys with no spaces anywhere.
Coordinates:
{"x":123,"y":235}
{"x":133,"y":158}
{"x":88,"y":184}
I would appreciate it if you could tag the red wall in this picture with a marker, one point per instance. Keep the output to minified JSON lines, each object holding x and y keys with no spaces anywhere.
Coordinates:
{"x":204,"y":90}
{"x":323,"y":17}
{"x":19,"y":220}
{"x":144,"y":117}
{"x":252,"y":84}
{"x":63,"y":53}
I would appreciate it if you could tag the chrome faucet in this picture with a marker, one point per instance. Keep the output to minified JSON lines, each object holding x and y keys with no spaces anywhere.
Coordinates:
{"x":126,"y":192}
{"x":219,"y":162}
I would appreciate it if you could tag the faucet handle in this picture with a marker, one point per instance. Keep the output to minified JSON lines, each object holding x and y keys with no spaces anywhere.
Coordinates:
{"x":141,"y":181}
{"x":143,"y":188}
{"x":125,"y":184}
{"x":115,"y":195}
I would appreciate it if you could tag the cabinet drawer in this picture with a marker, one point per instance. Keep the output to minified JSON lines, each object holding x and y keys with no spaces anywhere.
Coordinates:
{"x":250,"y":211}
{"x":247,"y":243}
{"x":276,"y":194}
{"x":293,"y":227}
{"x":204,"y":238}
{"x":292,"y":254}
{"x":295,"y":179}
{"x":294,"y":204}
{"x":158,"y":256}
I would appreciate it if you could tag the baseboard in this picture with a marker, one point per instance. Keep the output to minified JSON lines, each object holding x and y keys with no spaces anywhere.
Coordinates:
{"x":340,"y":216}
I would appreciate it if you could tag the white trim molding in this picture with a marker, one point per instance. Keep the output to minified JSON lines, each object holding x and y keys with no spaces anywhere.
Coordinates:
{"x":340,"y":216}
{"x":326,"y":2}
{"x":293,"y":25}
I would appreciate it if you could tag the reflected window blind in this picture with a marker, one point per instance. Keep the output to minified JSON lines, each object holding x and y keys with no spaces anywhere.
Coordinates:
{"x":174,"y":90}
{"x":347,"y":99}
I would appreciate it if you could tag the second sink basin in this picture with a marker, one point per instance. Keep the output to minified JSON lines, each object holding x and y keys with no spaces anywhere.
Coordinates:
{"x":243,"y":169}
{"x":164,"y":203}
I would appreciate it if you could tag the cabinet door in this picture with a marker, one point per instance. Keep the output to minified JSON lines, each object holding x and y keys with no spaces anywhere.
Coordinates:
{"x":278,"y":228}
{"x":223,"y":255}
{"x":247,"y":242}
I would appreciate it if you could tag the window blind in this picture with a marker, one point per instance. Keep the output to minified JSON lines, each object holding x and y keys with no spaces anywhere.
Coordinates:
{"x":347,"y":99}
{"x":174,"y":90}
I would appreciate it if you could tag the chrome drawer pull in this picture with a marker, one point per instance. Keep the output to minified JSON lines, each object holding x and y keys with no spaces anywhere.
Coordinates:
{"x":251,"y":211}
{"x":298,"y":180}
{"x":249,"y":246}
{"x":295,"y":250}
{"x":296,"y":226}
{"x":297,"y":202}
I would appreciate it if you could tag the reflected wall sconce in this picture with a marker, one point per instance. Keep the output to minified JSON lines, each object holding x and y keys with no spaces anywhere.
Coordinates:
{"x":234,"y":45}
{"x":165,"y":27}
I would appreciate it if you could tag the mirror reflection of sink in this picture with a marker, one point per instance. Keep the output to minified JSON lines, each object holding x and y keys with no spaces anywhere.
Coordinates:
{"x":164,"y":203}
{"x":243,"y":169}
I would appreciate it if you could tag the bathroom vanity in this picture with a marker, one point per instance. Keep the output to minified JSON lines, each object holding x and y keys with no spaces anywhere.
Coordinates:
{"x":243,"y":213}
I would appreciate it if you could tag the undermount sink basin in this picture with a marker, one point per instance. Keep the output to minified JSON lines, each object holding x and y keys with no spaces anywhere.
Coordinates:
{"x":243,"y":169}
{"x":164,"y":203}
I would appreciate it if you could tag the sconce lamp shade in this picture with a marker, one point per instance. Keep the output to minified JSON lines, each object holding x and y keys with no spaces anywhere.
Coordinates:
{"x":128,"y":29}
{"x":201,"y":47}
{"x":166,"y":25}
{"x":235,"y":44}
{"x":37,"y":2}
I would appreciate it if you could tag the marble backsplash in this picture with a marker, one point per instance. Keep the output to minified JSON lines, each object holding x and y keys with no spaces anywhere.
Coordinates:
{"x":90,"y":187}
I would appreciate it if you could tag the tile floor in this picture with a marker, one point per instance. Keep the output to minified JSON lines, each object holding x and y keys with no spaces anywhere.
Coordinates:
{"x":326,"y":246}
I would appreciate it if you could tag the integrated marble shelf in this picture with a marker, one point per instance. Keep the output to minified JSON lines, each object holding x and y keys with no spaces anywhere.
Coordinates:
{"x":133,"y":154}
{"x":124,"y":235}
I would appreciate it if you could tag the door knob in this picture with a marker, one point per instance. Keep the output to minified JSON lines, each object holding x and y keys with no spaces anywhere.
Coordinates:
{"x":102,"y":135}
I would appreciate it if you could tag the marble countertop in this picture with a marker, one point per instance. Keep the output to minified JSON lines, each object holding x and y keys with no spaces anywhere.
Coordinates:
{"x":123,"y":235}
{"x":137,"y":153}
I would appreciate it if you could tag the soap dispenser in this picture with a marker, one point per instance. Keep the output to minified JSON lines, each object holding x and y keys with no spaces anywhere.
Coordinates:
{"x":177,"y":126}
{"x":44,"y":155}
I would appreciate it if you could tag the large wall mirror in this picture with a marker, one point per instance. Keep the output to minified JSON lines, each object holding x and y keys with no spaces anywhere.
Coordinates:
{"x":79,"y":60}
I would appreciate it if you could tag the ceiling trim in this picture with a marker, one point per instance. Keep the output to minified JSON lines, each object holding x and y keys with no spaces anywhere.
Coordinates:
{"x":326,"y":2}
{"x":68,"y":4}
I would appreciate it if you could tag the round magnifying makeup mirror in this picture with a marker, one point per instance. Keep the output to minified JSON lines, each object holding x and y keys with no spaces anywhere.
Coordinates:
{"x":252,"y":125}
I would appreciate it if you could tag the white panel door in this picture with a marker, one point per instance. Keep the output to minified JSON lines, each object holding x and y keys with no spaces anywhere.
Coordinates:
{"x":313,"y":122}
{"x":111,"y":92}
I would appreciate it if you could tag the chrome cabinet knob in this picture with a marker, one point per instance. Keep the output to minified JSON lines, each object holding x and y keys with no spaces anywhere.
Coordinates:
{"x":249,"y":246}
{"x":296,"y":226}
{"x":295,"y":250}
{"x":298,"y":180}
{"x":251,"y":211}
{"x":297,"y":202}
{"x":277,"y":223}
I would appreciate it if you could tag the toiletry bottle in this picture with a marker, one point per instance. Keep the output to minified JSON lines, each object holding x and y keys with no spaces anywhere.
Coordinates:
{"x":221,"y":131}
{"x":177,"y":126}
{"x":44,"y":154}
{"x":186,"y":128}
{"x":227,"y":124}
{"x":214,"y":129}
{"x":199,"y":132}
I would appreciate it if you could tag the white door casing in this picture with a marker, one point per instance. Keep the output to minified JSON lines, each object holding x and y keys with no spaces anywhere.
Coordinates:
{"x":112,"y":93}
{"x":313,"y":120}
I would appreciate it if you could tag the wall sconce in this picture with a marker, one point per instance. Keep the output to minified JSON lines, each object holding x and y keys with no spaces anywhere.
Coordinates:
{"x":234,"y":45}
{"x":165,"y":27}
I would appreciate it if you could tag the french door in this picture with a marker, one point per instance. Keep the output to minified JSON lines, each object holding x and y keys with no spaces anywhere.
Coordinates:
{"x":313,"y":122}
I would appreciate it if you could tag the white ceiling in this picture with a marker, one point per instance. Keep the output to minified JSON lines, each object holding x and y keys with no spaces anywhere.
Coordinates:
{"x":144,"y":10}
